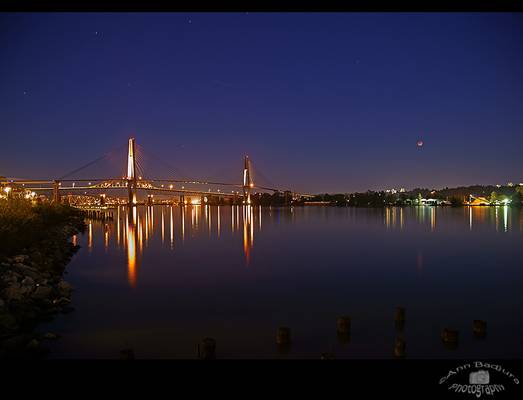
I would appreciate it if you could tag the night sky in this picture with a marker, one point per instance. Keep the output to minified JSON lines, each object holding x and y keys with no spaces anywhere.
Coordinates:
{"x":319,"y":101}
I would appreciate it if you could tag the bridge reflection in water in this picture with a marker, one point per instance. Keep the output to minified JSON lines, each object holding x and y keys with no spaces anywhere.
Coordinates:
{"x":172,"y":227}
{"x":134,"y":228}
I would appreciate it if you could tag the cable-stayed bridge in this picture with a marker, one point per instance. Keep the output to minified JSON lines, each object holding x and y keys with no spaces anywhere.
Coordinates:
{"x":134,"y":181}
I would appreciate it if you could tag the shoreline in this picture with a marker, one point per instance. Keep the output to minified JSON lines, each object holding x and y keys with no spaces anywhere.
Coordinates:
{"x":32,"y":288}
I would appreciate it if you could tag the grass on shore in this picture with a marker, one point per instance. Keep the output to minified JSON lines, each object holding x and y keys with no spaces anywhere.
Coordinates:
{"x":25,"y":226}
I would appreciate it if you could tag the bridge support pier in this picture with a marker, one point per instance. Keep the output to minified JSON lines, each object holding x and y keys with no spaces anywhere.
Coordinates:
{"x":182,"y":200}
{"x":131,"y":190}
{"x":56,"y":192}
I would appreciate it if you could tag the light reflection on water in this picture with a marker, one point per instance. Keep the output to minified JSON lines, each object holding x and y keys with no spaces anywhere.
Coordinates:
{"x":237,"y":273}
{"x":136,"y":221}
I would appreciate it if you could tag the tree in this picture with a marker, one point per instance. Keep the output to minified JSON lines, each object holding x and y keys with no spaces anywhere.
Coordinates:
{"x":493,"y":197}
{"x":419,"y":198}
{"x":517,"y":197}
{"x":456,"y":201}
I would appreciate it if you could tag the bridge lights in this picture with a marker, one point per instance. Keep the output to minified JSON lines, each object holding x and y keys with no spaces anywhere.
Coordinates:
{"x":170,"y":186}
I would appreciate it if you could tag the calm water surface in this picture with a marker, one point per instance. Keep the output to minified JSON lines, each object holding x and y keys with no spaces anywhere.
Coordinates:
{"x":162,"y":278}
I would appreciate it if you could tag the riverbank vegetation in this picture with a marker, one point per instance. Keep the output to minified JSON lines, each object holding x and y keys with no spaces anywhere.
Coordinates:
{"x":35,"y":247}
{"x":510,"y":195}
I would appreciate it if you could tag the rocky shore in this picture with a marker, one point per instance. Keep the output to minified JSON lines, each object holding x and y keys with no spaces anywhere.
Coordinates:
{"x":32,"y":289}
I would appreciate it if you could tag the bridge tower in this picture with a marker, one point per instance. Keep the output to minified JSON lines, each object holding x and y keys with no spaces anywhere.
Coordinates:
{"x":56,"y":192}
{"x":248,"y":184}
{"x":131,"y":173}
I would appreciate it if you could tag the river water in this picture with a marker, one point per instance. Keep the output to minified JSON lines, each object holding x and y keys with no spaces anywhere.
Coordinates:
{"x":159,"y":279}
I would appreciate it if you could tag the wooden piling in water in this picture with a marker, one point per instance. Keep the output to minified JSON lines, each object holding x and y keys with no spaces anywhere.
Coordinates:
{"x":127,"y":354}
{"x":450,"y":338}
{"x":283,"y":336}
{"x":343,"y":325}
{"x":399,"y":347}
{"x":399,"y":315}
{"x":479,"y":327}
{"x":207,"y":349}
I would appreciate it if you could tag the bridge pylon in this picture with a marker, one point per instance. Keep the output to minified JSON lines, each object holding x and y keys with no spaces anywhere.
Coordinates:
{"x":248,"y":183}
{"x":131,"y":173}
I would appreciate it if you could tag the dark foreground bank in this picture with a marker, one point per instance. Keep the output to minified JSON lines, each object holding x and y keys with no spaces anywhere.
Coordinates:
{"x":35,"y":248}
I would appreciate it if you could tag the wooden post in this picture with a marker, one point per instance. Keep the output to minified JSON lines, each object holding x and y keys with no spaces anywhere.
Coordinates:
{"x":207,"y":349}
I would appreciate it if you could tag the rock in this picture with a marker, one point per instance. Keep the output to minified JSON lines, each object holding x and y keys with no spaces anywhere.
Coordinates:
{"x":28,"y":271}
{"x":16,"y":341}
{"x":46,"y":303}
{"x":42,"y":292}
{"x":28,"y":281}
{"x":51,"y":336}
{"x":20,"y":258}
{"x":62,"y":301}
{"x":64,"y":287}
{"x":33,"y":344}
{"x":11,"y":277}
{"x":327,"y":356}
{"x":14,"y":292}
{"x":7,"y":322}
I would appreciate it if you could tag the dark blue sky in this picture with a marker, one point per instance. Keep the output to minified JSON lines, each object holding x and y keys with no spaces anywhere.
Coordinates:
{"x":319,"y":101}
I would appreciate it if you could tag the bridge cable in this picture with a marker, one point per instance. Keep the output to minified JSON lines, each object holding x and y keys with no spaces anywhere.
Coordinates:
{"x":90,"y":163}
